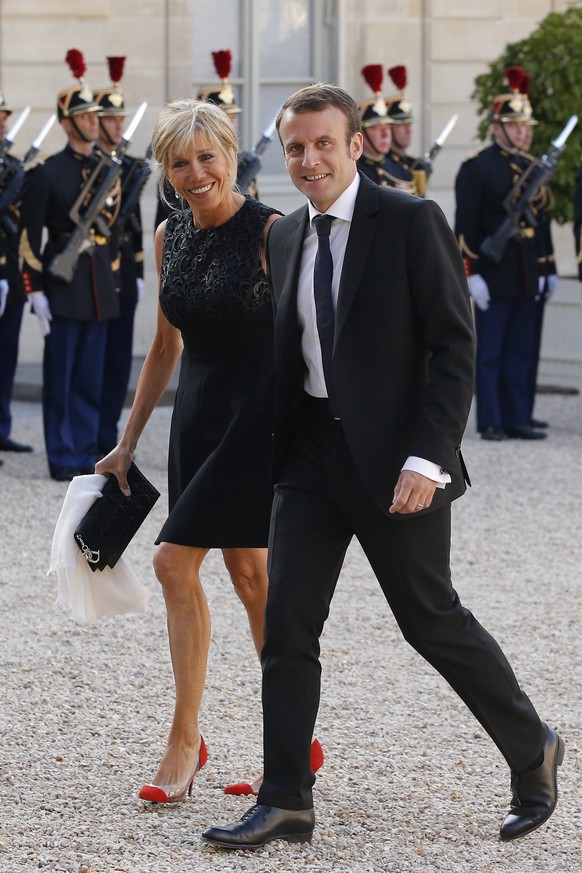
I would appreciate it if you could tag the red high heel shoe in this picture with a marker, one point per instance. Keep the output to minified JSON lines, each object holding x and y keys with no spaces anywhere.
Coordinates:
{"x":155,"y":794}
{"x":241,"y":789}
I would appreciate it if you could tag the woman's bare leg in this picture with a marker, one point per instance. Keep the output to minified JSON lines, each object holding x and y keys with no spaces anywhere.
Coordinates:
{"x":248,"y":571}
{"x":178,"y":571}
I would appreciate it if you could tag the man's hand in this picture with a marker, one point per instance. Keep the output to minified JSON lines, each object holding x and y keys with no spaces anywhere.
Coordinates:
{"x":413,"y":492}
{"x":3,"y":296}
{"x":42,"y":310}
{"x":547,"y":284}
{"x":479,"y":291}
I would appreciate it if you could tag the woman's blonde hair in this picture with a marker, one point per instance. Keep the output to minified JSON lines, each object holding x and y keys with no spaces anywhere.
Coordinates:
{"x":176,"y":126}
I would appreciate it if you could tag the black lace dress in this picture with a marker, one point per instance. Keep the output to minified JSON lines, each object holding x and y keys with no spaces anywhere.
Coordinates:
{"x":219,"y":469}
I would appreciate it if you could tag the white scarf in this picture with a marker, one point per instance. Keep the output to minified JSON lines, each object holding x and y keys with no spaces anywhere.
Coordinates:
{"x":90,"y":595}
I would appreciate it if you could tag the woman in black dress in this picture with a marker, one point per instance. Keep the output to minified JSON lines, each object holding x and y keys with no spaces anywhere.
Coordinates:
{"x":215,"y":312}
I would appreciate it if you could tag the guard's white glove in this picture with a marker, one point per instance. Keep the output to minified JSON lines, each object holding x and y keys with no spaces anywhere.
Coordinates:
{"x":140,"y":287}
{"x":3,"y":296}
{"x":550,"y":289}
{"x":42,"y":310}
{"x":479,"y":291}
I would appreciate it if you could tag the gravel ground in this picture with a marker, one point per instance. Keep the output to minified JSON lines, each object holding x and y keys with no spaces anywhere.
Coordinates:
{"x":410,"y":783}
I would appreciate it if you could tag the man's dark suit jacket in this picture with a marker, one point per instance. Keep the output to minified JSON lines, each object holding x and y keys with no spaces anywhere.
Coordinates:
{"x":403,"y":351}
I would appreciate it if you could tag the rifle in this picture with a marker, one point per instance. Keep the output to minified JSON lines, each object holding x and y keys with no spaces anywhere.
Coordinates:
{"x":518,"y":202}
{"x":427,"y":162}
{"x":251,"y":167}
{"x":133,"y":186}
{"x":87,"y":208}
{"x":12,"y":172}
{"x":8,"y":141}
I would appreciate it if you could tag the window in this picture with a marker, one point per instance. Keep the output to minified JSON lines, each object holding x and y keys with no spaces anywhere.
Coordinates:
{"x":277,"y":47}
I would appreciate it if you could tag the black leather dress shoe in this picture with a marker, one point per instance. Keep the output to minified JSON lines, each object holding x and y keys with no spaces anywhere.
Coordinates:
{"x":537,"y":422}
{"x":525,"y":432}
{"x":261,"y":824}
{"x":8,"y":445}
{"x":495,"y":434}
{"x":534,"y":793}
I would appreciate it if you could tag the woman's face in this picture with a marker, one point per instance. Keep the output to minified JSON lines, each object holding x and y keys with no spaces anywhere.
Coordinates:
{"x":200,"y":175}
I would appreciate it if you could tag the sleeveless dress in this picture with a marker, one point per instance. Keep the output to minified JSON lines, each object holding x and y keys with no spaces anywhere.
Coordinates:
{"x":213,"y":289}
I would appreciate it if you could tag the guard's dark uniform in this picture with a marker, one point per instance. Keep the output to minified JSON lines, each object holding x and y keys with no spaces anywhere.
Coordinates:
{"x":127,"y":235}
{"x":394,"y":171}
{"x":75,"y":347}
{"x":119,"y":349}
{"x":505,"y":330}
{"x":11,"y":319}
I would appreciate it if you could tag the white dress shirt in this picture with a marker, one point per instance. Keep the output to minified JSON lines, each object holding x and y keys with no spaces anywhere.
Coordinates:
{"x":342,"y":210}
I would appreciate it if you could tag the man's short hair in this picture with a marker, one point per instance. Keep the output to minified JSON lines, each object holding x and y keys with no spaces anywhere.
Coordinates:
{"x":316,"y":98}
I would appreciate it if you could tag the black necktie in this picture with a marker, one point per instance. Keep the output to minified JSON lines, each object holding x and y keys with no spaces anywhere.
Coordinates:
{"x":322,"y":275}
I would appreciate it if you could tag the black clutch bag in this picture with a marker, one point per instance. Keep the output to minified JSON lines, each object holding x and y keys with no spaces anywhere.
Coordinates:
{"x":114,"y":519}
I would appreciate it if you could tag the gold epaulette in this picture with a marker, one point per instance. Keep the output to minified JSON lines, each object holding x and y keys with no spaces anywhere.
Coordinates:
{"x":474,"y":154}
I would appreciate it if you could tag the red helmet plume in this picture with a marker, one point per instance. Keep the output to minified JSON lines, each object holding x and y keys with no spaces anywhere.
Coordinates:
{"x":116,"y":67}
{"x":514,"y":76}
{"x":373,"y":74}
{"x":222,"y":63}
{"x":76,"y":62}
{"x":398,"y":76}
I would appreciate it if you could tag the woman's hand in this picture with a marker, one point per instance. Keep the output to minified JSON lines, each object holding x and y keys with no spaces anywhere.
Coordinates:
{"x":117,"y":463}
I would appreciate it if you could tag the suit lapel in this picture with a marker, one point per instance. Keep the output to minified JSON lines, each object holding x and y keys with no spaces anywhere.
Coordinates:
{"x":286,"y":323}
{"x":358,"y":248}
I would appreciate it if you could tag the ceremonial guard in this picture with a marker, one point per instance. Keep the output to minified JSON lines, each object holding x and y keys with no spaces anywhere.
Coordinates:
{"x":128,"y":234}
{"x":73,"y":313}
{"x":221,"y":95}
{"x":410,"y":173}
{"x":548,"y":279}
{"x":376,"y":130}
{"x":504,"y":292}
{"x":12,"y":296}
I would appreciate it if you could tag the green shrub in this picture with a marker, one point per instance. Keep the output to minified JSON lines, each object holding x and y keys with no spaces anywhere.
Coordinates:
{"x":552,"y":55}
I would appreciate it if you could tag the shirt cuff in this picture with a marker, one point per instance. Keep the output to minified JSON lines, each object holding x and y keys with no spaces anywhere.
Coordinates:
{"x":428,"y":469}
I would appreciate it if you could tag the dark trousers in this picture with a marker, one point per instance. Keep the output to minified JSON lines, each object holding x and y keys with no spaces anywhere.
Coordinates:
{"x":505,"y":342}
{"x":319,"y":504}
{"x":536,"y":349}
{"x":9,"y":335}
{"x":116,"y":374}
{"x":74,"y":353}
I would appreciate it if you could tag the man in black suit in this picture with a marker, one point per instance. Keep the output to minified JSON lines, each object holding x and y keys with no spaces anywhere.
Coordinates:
{"x":367,"y":444}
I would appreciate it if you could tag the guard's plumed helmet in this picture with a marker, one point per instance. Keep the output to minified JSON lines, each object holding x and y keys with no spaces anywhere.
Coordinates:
{"x":514,"y":106}
{"x":78,"y":99}
{"x":110,"y":99}
{"x":399,"y":108}
{"x":221,"y":95}
{"x":375,"y":111}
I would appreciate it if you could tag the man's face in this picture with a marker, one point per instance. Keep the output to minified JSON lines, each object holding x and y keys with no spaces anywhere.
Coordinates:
{"x":319,"y":158}
{"x":401,"y":135}
{"x":113,"y":126}
{"x":379,"y":137}
{"x":85,"y":124}
{"x":3,"y":124}
{"x":513,"y":134}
